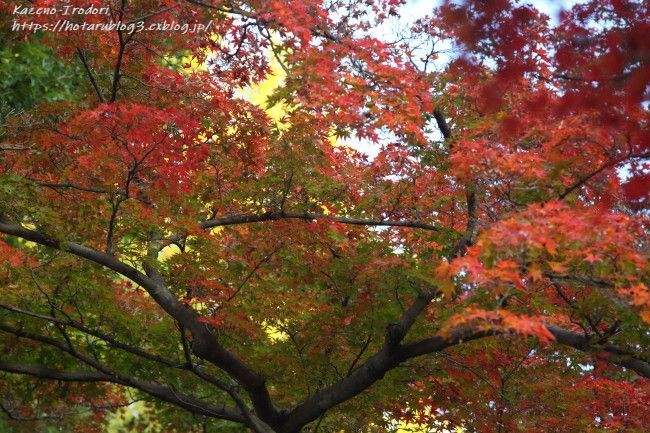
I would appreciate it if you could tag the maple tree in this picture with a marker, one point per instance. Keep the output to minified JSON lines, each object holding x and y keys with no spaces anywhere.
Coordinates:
{"x":165,"y":240}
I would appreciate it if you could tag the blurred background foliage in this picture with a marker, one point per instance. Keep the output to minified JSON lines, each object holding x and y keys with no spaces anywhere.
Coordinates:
{"x":31,"y":73}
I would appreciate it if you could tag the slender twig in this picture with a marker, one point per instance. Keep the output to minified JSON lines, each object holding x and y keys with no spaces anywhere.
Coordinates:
{"x":82,"y":56}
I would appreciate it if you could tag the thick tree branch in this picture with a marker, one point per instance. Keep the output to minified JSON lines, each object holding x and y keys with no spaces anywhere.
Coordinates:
{"x":103,"y":373}
{"x":82,"y":56}
{"x":13,"y":147}
{"x":228,"y":9}
{"x":103,"y":336}
{"x":371,"y":371}
{"x":204,"y":344}
{"x":376,"y":367}
{"x":613,"y":163}
{"x":562,"y":336}
{"x":250,"y":218}
{"x":309,"y":216}
{"x":10,"y":228}
{"x":471,"y":229}
{"x":189,"y":366}
{"x":396,"y":332}
{"x":58,"y":416}
{"x":615,"y":354}
{"x":598,"y":284}
{"x":71,"y":186}
{"x":48,"y":373}
{"x":443,"y":126}
{"x":117,"y":73}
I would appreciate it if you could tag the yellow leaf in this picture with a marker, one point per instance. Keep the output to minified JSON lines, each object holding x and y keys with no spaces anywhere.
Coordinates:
{"x":535,"y":272}
{"x":447,"y":287}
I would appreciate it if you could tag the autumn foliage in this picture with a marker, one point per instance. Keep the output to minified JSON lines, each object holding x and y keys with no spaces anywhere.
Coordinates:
{"x":483,"y":265}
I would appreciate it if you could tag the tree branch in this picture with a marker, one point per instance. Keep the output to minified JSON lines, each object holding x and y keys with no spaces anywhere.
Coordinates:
{"x":71,"y":186}
{"x":580,"y":182}
{"x":621,"y":356}
{"x":445,"y":130}
{"x":371,"y":371}
{"x":204,"y":344}
{"x":470,"y":195}
{"x":274,"y":216}
{"x":117,"y":74}
{"x":103,"y":373}
{"x":188,"y":366}
{"x":82,"y":56}
{"x":105,"y":337}
{"x":388,"y":358}
{"x":48,"y":373}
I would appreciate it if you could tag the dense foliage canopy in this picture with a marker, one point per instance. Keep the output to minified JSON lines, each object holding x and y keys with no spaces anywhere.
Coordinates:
{"x":165,"y":240}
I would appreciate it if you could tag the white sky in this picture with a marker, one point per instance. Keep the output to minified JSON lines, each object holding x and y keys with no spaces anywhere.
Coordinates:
{"x":417,"y":8}
{"x":414,"y":9}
